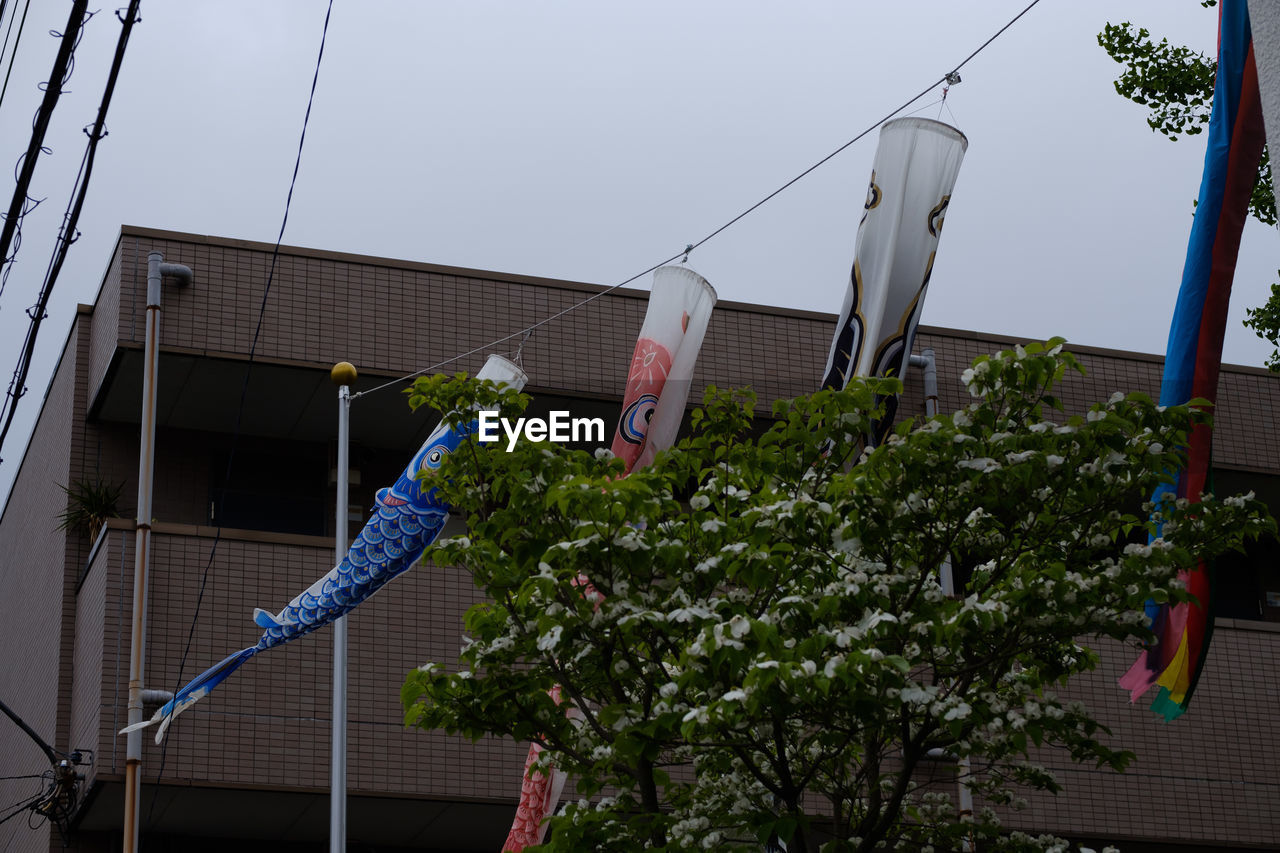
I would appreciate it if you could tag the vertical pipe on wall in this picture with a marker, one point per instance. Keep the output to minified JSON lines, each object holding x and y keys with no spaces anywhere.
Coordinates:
{"x":928,"y":362}
{"x":156,"y":270}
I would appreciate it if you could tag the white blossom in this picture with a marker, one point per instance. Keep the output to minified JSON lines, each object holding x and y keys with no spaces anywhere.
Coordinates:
{"x":548,"y":641}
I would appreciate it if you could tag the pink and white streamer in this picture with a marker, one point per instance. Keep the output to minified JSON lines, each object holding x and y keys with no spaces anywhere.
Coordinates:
{"x":661,"y":371}
{"x":658,"y":384}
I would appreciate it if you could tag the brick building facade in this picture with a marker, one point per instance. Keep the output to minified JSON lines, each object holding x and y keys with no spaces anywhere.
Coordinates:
{"x":251,"y":762}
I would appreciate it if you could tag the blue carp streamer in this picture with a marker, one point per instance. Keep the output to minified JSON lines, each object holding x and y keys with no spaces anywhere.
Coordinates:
{"x":407,"y":517}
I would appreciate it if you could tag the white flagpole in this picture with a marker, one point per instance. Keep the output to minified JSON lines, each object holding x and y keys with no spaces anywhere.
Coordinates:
{"x":343,"y":375}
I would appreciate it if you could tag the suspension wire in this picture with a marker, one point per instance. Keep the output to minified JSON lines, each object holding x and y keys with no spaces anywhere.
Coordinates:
{"x":244,"y":388}
{"x":923,"y":107}
{"x":67,"y":233}
{"x":527,"y":330}
{"x":684,"y":253}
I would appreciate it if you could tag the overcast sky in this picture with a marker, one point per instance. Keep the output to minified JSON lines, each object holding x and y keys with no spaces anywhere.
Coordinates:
{"x":589,"y":140}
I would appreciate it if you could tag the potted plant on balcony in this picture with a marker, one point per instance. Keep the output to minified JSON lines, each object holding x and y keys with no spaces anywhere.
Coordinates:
{"x":89,"y":504}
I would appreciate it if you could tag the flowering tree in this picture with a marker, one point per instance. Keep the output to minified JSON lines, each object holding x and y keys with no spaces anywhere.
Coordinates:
{"x":749,"y":639}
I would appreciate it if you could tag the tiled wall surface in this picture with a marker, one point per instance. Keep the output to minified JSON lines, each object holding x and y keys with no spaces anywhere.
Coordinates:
{"x":396,"y":317}
{"x":36,"y":623}
{"x":1208,"y":776}
{"x":268,"y":725}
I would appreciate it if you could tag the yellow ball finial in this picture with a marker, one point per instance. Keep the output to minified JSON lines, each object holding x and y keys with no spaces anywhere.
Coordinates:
{"x":343,"y":373}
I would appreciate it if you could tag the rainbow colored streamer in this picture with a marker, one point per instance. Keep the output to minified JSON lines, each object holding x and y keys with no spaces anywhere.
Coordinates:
{"x":1236,"y":137}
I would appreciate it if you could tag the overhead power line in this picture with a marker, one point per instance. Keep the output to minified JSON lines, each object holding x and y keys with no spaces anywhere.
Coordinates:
{"x":18,"y":40}
{"x":59,"y":796}
{"x":67,"y":234}
{"x":49,"y":751}
{"x":23,"y":805}
{"x":248,"y":369}
{"x":53,"y":89}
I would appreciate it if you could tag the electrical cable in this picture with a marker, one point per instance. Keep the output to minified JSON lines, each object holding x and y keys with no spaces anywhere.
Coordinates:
{"x":52,"y":91}
{"x":21,"y":25}
{"x":954,"y":73}
{"x":30,"y":802}
{"x":244,"y":388}
{"x":29,"y":204}
{"x":57,"y":800}
{"x":22,"y":807}
{"x":49,"y":752}
{"x":4,"y":48}
{"x":67,"y":234}
{"x":22,"y":203}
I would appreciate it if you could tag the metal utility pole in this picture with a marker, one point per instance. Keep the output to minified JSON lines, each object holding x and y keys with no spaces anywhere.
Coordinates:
{"x":156,"y":271}
{"x":343,"y":375}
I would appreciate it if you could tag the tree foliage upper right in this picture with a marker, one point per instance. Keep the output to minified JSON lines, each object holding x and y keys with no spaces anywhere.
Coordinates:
{"x":1175,"y":83}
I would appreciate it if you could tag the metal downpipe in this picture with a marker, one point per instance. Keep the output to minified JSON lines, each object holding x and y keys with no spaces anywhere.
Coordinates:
{"x":156,"y":270}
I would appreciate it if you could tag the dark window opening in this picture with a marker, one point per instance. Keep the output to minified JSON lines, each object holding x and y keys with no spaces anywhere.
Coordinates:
{"x":1246,"y":584}
{"x":278,"y":487}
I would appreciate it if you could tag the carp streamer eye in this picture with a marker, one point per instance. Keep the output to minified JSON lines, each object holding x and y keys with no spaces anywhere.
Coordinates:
{"x":635,"y":420}
{"x":433,"y":458}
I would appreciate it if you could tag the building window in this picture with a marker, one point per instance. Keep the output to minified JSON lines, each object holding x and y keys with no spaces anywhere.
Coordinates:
{"x":276,"y":486}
